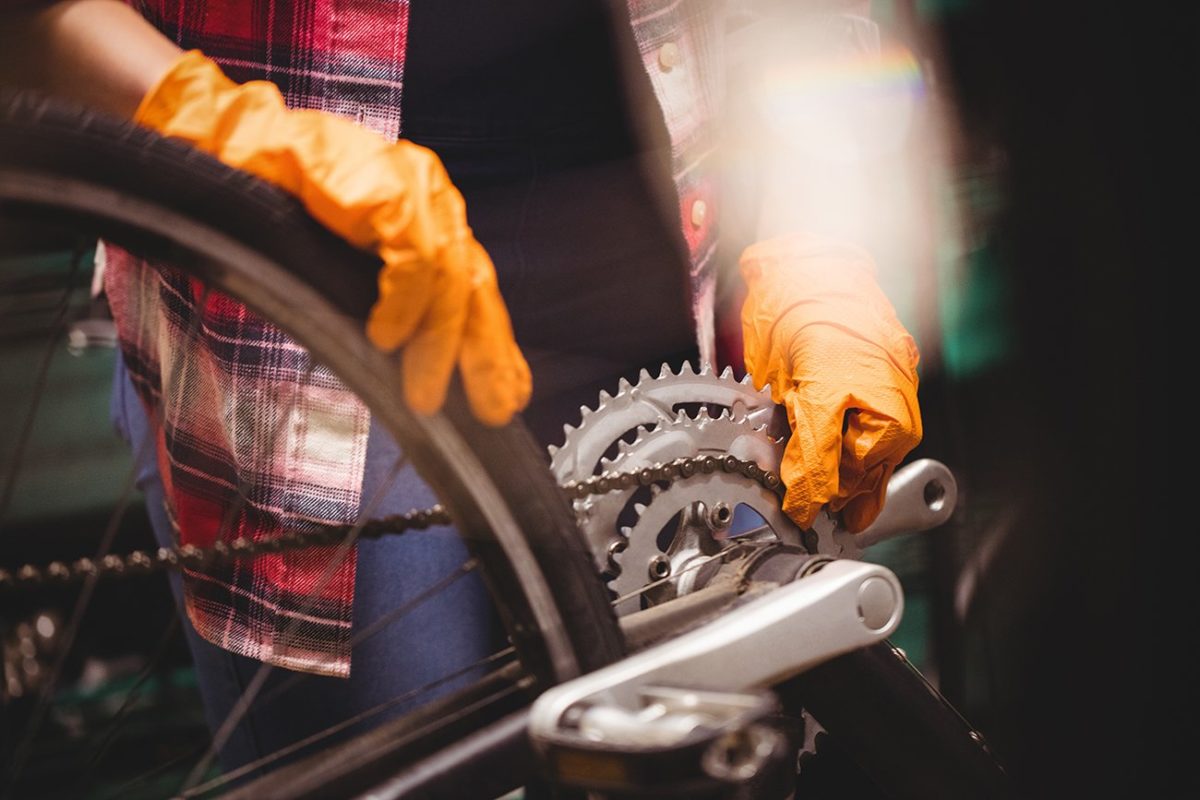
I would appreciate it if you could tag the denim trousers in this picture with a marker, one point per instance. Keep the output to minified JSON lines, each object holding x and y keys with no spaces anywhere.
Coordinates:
{"x":430,"y":640}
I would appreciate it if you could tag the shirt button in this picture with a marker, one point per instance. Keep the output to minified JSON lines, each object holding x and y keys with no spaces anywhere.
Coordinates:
{"x":668,"y":56}
{"x":699,"y":212}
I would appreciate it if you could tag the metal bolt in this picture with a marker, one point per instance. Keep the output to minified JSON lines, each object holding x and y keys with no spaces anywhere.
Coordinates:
{"x":660,"y":567}
{"x":741,"y":754}
{"x":720,"y":517}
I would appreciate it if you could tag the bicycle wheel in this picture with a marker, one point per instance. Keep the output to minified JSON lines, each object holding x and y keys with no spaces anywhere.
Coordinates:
{"x":252,"y":242}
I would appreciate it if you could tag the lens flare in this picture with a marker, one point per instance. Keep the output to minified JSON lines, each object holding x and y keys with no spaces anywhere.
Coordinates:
{"x":844,"y":106}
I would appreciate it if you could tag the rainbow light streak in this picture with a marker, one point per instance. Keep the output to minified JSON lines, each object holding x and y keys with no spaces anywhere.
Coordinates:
{"x":894,"y":72}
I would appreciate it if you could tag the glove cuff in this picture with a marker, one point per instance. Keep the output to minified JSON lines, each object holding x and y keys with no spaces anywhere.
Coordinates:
{"x":182,"y":102}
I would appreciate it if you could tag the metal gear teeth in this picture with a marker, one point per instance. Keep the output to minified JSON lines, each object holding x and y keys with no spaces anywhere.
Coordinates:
{"x":702,"y":419}
{"x":573,"y":457}
{"x":624,"y":448}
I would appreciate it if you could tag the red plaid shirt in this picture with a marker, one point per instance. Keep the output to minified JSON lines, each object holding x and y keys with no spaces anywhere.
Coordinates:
{"x":216,"y":377}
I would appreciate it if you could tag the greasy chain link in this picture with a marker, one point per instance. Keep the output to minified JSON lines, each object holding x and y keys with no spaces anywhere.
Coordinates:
{"x":141,"y":562}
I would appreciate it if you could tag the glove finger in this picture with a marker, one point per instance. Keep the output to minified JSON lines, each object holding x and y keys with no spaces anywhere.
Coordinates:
{"x":495,"y":374}
{"x":861,"y":510}
{"x":872,"y":445}
{"x":406,"y":292}
{"x":432,"y":351}
{"x":810,"y":460}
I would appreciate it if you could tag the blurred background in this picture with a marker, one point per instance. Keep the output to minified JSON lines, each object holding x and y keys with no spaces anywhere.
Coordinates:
{"x":1008,"y":163}
{"x":1013,"y":191}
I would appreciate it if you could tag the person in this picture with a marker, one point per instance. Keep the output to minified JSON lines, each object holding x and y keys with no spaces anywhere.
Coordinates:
{"x":574,"y":186}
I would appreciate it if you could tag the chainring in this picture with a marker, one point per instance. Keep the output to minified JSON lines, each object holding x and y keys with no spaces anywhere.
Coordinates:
{"x":727,"y":416}
{"x":651,"y":401}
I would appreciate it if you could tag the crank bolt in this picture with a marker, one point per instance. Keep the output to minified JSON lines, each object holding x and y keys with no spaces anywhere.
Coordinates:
{"x":720,"y":517}
{"x":741,"y":754}
{"x":660,"y":567}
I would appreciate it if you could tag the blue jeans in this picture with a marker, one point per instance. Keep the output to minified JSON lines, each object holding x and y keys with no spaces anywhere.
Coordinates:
{"x":436,"y":637}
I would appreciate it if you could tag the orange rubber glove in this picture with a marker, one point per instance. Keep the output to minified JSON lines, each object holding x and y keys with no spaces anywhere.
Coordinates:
{"x":819,"y":330}
{"x":437,"y":290}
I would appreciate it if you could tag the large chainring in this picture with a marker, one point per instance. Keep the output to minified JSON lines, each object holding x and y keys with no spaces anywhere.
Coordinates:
{"x":640,"y":537}
{"x":651,"y":401}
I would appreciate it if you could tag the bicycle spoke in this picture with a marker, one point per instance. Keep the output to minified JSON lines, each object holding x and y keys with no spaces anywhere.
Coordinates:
{"x":39,"y":386}
{"x":380,"y":624}
{"x":242,"y":499}
{"x":21,"y":753}
{"x":242,"y":706}
{"x":127,"y":705}
{"x":123,"y":790}
{"x":411,"y":694}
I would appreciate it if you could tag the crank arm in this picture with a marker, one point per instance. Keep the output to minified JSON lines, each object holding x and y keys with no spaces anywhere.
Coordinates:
{"x":698,"y":690}
{"x":920,"y":496}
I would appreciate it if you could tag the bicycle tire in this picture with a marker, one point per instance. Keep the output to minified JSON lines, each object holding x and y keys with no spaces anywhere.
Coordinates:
{"x":249,"y":239}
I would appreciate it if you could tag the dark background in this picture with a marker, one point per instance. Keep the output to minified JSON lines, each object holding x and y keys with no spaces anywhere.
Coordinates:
{"x":1075,"y":105}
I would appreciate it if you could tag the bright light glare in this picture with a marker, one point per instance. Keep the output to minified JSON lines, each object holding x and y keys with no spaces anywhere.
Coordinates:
{"x":845,"y":106}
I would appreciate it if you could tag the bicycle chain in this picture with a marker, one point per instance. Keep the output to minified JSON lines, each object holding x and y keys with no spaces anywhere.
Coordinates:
{"x":142,"y":562}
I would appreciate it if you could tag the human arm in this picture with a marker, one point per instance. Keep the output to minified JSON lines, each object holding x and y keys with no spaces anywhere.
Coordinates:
{"x":97,"y":53}
{"x":438,"y":293}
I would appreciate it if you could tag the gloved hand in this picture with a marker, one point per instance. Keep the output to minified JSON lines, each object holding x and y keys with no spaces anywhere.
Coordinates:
{"x":437,"y":290}
{"x":819,"y":330}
